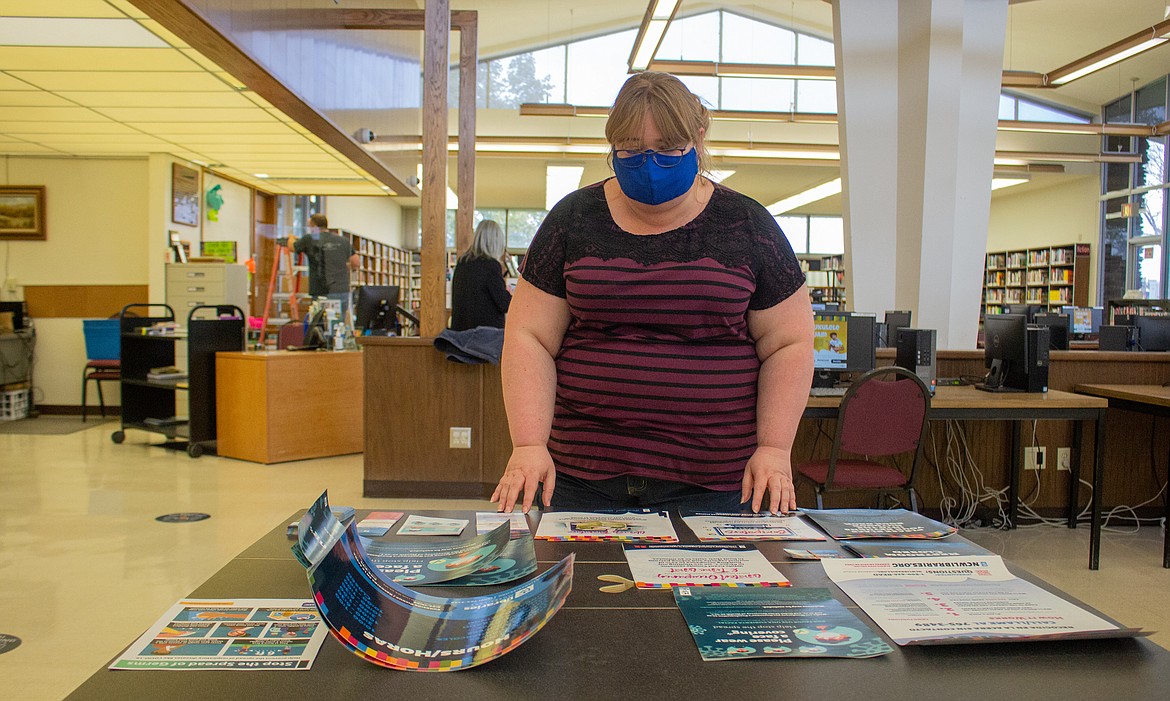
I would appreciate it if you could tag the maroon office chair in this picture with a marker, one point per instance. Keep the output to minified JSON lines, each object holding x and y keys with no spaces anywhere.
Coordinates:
{"x":884,"y":413}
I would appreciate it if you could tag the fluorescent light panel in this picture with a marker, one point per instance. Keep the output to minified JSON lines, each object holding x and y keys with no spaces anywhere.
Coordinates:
{"x":1108,"y":61}
{"x":800,"y":199}
{"x":560,"y":180}
{"x":74,"y":31}
{"x":1000,"y":183}
{"x":644,"y":52}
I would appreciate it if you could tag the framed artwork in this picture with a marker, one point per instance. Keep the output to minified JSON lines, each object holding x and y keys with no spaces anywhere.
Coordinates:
{"x":22,"y":212}
{"x":184,"y":195}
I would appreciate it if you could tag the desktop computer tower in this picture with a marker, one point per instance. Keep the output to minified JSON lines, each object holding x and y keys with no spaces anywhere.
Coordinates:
{"x":1036,"y":367}
{"x":917,"y":353}
{"x":1117,"y":338}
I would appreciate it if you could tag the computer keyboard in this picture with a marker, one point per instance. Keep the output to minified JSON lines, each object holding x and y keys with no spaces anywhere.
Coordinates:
{"x":827,"y":391}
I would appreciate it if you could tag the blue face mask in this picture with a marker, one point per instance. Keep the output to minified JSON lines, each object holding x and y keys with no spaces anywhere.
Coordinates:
{"x":656,"y":178}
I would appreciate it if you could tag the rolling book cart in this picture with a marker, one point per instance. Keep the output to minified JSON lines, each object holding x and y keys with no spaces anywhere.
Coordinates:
{"x":149,"y":404}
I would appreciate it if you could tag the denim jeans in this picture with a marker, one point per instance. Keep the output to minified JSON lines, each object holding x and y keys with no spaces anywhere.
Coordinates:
{"x":629,"y":492}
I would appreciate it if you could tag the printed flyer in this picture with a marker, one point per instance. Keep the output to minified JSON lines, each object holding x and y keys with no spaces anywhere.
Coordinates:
{"x":645,"y":525}
{"x":730,"y":565}
{"x":435,"y":563}
{"x":386,"y":624}
{"x":846,"y":524}
{"x":516,"y":560}
{"x":950,"y":600}
{"x":737,"y":624}
{"x":712,"y":526}
{"x":236,"y":634}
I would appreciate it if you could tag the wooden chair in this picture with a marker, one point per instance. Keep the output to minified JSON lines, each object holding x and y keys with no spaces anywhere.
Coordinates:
{"x":884,"y":413}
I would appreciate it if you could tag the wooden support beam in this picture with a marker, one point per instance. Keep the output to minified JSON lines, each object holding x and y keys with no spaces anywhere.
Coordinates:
{"x":190,"y":26}
{"x":464,"y":215}
{"x":433,"y":313}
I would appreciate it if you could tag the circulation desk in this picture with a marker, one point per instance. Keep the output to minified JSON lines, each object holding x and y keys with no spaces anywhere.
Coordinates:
{"x":636,"y":645}
{"x":275,"y":406}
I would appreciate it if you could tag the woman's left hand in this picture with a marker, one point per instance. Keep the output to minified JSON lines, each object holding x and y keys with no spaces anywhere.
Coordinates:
{"x":769,"y":470}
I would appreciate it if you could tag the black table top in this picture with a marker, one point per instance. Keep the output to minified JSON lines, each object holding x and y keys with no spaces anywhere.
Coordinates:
{"x":635,"y":644}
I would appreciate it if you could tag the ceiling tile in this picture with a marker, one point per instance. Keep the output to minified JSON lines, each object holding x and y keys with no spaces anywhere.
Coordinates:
{"x":57,"y":8}
{"x":202,"y":60}
{"x":143,"y":81}
{"x":223,"y":98}
{"x":51,"y":114}
{"x":31,"y":98}
{"x":20,"y":128}
{"x":120,"y":139}
{"x":129,"y":9}
{"x":8,"y":82}
{"x":179,"y":114}
{"x":25,"y":147}
{"x":48,"y":58}
{"x":177,"y":128}
{"x":282,"y":151}
{"x":163,"y":33}
{"x":211,"y":140}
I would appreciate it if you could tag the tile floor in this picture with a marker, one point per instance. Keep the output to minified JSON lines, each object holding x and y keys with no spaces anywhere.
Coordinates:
{"x":85,"y":568}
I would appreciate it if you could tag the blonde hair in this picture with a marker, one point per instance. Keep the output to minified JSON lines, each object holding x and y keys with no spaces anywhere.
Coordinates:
{"x":678,"y":113}
{"x":488,"y":241}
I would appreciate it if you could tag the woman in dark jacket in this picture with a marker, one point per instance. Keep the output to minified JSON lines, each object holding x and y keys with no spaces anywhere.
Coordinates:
{"x":479,"y":296}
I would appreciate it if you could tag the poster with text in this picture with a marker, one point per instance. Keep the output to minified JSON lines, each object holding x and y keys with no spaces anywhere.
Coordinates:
{"x":735,"y":624}
{"x":710,"y":526}
{"x":948,"y":600}
{"x":661,"y":566}
{"x":645,"y":525}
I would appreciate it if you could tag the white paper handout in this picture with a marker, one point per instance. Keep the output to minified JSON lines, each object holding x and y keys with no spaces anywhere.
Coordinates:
{"x":624,"y":526}
{"x":948,"y":600}
{"x":732,"y":565}
{"x":715,"y":526}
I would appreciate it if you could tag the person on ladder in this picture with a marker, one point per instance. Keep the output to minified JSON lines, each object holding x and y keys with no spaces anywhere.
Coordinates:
{"x":331,"y":258}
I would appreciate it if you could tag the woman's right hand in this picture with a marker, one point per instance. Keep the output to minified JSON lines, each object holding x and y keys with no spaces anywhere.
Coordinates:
{"x":528,"y":467}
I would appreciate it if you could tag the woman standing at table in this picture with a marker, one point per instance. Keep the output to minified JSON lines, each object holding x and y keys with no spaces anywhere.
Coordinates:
{"x":658,"y":350}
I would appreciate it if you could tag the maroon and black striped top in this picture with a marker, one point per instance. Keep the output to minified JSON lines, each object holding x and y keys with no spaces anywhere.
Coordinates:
{"x":656,"y":375}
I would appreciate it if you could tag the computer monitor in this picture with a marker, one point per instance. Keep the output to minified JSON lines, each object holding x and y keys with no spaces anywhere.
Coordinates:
{"x":1060,"y":328}
{"x":1029,"y":311}
{"x":1153,"y":332}
{"x":374,"y":312}
{"x":1005,"y":351}
{"x":842,"y":342}
{"x":895,"y":320}
{"x":1086,"y":321}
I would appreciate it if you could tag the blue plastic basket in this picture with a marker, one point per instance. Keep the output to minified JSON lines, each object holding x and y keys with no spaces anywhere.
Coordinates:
{"x":102,"y":339}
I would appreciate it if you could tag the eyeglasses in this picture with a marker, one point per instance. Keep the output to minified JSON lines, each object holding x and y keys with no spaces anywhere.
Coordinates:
{"x":666,"y":158}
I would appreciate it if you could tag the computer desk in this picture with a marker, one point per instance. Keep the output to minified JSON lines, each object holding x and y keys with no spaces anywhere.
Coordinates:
{"x":1146,"y":399}
{"x":636,"y":645}
{"x":970,"y":404}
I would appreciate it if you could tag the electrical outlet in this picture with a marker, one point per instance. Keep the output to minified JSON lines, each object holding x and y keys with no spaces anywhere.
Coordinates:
{"x":1034,"y":458}
{"x":460,"y":437}
{"x":1064,"y":459}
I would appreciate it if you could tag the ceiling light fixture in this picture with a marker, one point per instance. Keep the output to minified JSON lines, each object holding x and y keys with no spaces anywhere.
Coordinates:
{"x":560,"y":180}
{"x":1000,"y":183}
{"x":1118,"y":51}
{"x":744,"y":70}
{"x":800,"y":199}
{"x":657,"y":19}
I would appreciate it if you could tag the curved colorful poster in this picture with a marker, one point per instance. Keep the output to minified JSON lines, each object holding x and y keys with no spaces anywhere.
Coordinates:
{"x":390,"y":625}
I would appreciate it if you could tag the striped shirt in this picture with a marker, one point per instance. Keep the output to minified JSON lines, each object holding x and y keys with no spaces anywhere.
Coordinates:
{"x":657,"y":374}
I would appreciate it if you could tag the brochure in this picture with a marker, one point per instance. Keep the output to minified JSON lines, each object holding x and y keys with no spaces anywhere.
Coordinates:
{"x":386,"y":624}
{"x":516,"y":560}
{"x":730,"y":565}
{"x":950,"y":600}
{"x":237,"y":634}
{"x":378,"y":523}
{"x":431,"y":525}
{"x":433,"y":563}
{"x":734,"y":624}
{"x":643,"y":525}
{"x":846,"y":524}
{"x":915,"y":548}
{"x":709,"y":526}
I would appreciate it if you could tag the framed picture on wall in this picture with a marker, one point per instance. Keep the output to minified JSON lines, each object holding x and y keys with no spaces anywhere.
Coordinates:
{"x":184,"y":195}
{"x":22,"y":212}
